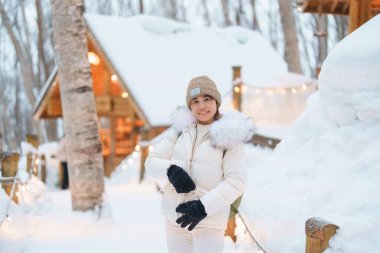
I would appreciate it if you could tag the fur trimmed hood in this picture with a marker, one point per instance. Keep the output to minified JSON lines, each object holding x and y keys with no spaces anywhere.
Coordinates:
{"x":233,"y":128}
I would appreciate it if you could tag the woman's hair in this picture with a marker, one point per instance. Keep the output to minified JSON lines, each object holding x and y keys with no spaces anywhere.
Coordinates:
{"x":217,"y":115}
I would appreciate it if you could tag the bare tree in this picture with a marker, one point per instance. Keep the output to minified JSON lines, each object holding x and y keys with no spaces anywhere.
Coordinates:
{"x":239,"y":13}
{"x":206,"y":14}
{"x":26,"y":63}
{"x":78,"y":104}
{"x":141,"y":6}
{"x":226,"y":12}
{"x":255,"y":22}
{"x":291,"y":53}
{"x":41,"y":52}
{"x":341,"y":23}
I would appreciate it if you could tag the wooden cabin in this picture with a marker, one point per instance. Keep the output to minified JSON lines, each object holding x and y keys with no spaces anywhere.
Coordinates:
{"x":359,"y":11}
{"x":120,"y":118}
{"x":141,"y":67}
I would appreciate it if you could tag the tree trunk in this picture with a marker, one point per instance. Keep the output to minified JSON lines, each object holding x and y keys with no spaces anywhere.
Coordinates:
{"x":84,"y":155}
{"x":321,"y":34}
{"x":41,"y":52}
{"x":141,"y":6}
{"x":255,"y":22}
{"x":291,"y":56}
{"x":206,"y":14}
{"x":1,"y":142}
{"x":226,"y":13}
{"x":26,"y":66}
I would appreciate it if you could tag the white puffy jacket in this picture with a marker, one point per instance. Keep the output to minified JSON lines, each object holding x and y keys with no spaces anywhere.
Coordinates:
{"x":219,"y":180}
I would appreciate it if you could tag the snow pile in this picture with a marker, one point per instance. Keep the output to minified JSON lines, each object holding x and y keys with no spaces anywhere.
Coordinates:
{"x":329,"y":165}
{"x":31,"y":199}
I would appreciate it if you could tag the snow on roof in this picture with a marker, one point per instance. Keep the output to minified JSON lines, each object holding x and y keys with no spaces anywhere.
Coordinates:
{"x":156,"y":58}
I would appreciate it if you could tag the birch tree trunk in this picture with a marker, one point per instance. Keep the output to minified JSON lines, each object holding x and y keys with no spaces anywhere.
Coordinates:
{"x":85,"y":159}
{"x":292,"y":56}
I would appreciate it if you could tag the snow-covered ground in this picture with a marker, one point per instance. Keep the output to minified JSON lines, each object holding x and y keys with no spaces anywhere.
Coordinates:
{"x":131,"y":219}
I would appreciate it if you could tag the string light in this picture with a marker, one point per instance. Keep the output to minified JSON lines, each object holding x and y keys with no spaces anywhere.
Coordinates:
{"x":114,"y":78}
{"x":137,"y":148}
{"x":124,"y":94}
{"x":304,"y":87}
{"x":294,"y":90}
{"x":93,"y":58}
{"x":151,"y":148}
{"x":236,"y":89}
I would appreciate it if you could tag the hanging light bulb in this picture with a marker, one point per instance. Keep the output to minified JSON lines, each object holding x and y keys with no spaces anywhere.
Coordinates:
{"x":304,"y":87}
{"x":236,"y":89}
{"x":137,"y":148}
{"x":294,"y":91}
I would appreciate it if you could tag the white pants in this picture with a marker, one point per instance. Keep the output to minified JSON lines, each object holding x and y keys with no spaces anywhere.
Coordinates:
{"x":199,"y":240}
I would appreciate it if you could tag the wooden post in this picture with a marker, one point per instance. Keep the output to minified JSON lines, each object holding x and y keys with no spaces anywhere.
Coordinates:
{"x":32,"y":139}
{"x":144,"y":134}
{"x":43,"y":168}
{"x":237,"y":87}
{"x":236,"y":100}
{"x":230,"y":230}
{"x":29,"y":160}
{"x":359,"y":13}
{"x":318,"y":233}
{"x":9,"y":166}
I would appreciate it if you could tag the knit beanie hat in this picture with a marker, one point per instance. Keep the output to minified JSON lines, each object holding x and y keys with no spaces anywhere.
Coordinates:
{"x":202,"y":85}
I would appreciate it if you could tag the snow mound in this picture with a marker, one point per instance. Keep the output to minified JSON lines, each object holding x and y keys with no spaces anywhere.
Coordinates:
{"x":329,"y":165}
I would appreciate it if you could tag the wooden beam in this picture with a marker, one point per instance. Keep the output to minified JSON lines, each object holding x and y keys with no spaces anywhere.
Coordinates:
{"x":334,"y":5}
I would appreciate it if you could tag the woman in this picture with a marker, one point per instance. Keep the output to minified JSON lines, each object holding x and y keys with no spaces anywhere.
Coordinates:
{"x":204,"y":162}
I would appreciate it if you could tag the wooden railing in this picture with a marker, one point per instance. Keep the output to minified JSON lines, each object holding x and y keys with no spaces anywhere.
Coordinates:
{"x":11,"y":180}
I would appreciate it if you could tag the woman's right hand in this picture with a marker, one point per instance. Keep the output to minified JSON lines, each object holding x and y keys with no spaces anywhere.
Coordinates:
{"x":179,"y":178}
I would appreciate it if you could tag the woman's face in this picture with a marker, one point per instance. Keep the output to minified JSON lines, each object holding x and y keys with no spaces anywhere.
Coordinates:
{"x":203,"y":108}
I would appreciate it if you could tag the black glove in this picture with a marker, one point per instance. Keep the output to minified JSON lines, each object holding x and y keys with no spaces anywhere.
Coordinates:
{"x":179,"y":178}
{"x":193,"y":212}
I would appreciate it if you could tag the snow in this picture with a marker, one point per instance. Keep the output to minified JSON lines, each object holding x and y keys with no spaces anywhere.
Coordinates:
{"x":131,"y":218}
{"x":329,"y":164}
{"x":156,"y":58}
